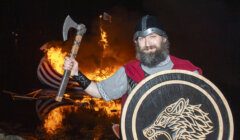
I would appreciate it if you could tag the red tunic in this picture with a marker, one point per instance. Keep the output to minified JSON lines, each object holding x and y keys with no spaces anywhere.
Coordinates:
{"x":135,"y":72}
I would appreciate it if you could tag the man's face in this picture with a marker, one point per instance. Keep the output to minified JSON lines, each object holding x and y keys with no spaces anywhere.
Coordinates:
{"x":152,"y":49}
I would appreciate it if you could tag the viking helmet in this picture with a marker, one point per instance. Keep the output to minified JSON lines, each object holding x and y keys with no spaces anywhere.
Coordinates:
{"x":147,"y":25}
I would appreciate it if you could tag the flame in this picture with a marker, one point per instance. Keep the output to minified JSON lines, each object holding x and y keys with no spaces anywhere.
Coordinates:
{"x":102,"y":74}
{"x":56,"y":57}
{"x":111,"y":108}
{"x":103,"y":39}
{"x":53,"y":121}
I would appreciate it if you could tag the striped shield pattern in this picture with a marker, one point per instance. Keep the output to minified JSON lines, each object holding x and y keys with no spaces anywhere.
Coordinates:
{"x":50,"y":77}
{"x":46,"y":102}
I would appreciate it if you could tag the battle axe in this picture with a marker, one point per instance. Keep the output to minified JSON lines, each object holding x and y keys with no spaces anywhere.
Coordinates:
{"x":81,"y":29}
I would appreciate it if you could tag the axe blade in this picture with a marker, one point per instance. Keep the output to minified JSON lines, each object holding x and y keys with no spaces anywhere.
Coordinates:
{"x":68,"y":23}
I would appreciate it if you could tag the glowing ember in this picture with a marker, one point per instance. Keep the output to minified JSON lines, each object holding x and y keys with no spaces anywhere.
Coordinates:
{"x":56,"y":57}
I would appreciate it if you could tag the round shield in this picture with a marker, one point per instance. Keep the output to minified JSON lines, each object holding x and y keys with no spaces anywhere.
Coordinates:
{"x":176,"y":105}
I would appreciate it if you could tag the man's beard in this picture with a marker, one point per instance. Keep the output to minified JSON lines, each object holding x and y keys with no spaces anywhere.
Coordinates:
{"x":153,"y":58}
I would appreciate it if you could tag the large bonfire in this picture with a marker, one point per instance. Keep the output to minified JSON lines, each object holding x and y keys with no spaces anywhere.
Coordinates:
{"x":90,"y":113}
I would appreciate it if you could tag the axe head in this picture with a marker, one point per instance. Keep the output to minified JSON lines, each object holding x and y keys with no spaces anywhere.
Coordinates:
{"x":69,"y":23}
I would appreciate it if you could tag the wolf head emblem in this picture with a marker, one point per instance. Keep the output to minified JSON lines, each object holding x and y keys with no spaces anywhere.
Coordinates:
{"x":180,"y":121}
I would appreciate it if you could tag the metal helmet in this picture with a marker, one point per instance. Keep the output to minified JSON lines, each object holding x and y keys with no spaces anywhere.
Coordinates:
{"x":147,"y":25}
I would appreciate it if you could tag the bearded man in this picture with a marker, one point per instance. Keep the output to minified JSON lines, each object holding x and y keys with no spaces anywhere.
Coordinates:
{"x":152,"y":53}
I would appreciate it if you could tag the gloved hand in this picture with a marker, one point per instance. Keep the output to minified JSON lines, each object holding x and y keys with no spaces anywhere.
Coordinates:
{"x":72,"y":65}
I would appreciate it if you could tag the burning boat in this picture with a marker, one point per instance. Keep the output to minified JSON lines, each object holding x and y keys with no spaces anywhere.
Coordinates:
{"x":54,"y":115}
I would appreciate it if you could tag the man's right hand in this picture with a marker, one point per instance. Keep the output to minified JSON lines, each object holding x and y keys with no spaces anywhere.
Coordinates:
{"x":87,"y":85}
{"x":72,"y":65}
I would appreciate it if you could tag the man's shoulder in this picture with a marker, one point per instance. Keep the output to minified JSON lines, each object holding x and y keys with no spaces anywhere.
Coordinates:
{"x":174,"y":58}
{"x":132,"y":63}
{"x":177,"y":60}
{"x":184,"y":64}
{"x":134,"y":71}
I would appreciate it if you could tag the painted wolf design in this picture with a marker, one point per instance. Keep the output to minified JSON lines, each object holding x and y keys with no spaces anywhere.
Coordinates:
{"x":180,"y":121}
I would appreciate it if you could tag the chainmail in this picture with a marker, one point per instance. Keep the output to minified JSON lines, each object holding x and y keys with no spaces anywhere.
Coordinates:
{"x":132,"y":84}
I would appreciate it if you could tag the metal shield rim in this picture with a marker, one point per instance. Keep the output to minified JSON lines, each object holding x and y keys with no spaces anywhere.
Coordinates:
{"x":220,"y":119}
{"x":124,"y":111}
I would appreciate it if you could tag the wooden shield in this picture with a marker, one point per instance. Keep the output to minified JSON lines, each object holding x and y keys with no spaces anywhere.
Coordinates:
{"x":176,"y":105}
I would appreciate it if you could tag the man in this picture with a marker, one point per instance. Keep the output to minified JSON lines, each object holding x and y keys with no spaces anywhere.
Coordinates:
{"x":152,"y":53}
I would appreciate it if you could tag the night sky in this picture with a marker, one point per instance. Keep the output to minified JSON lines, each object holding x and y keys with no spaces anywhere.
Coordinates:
{"x":206,"y":32}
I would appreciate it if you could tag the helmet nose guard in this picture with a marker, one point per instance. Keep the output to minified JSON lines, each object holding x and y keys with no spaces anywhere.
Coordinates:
{"x":147,"y":25}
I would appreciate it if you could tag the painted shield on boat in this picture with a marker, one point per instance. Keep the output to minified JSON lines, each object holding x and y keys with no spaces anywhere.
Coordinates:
{"x":176,"y":105}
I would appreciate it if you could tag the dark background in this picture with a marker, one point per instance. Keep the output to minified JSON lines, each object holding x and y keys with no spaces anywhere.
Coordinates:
{"x":206,"y":32}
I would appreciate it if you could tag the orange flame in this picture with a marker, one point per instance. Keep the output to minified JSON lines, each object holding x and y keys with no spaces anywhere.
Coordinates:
{"x":56,"y":57}
{"x":53,"y":121}
{"x":103,"y":40}
{"x":102,"y":74}
{"x":112,"y":108}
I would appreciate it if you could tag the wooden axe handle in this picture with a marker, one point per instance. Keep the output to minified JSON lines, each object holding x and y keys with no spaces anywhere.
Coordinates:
{"x":67,"y":73}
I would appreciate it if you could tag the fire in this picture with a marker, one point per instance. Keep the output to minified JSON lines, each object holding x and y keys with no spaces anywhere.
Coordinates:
{"x":111,"y":108}
{"x":54,"y":119}
{"x":56,"y":57}
{"x":101,"y":74}
{"x":103,"y":40}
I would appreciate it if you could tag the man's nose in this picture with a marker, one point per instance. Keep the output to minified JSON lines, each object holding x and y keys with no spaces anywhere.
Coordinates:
{"x":147,"y":42}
